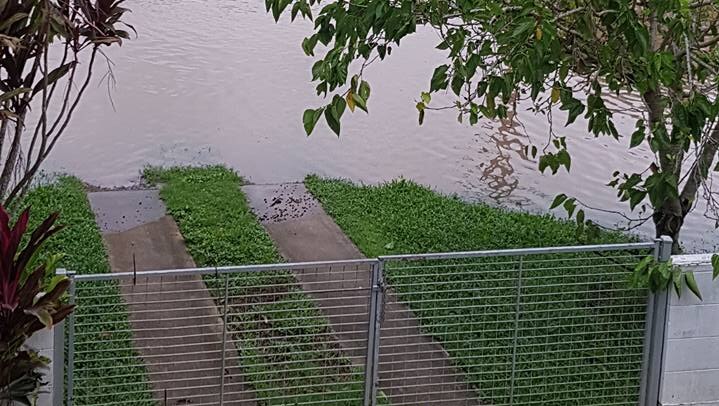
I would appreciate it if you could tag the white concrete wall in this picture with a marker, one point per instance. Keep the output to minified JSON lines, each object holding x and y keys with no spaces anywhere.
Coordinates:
{"x":44,"y":342}
{"x":691,"y":363}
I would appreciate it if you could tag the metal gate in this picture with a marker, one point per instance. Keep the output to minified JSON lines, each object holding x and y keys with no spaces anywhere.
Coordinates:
{"x":558,"y":326}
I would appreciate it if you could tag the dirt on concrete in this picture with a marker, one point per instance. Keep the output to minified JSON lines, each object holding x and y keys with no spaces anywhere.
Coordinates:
{"x":414,"y":368}
{"x":298,"y":224}
{"x":176,"y":327}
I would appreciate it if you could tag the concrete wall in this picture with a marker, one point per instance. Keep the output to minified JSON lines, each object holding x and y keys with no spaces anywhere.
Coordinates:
{"x":691,"y":357}
{"x":49,"y":344}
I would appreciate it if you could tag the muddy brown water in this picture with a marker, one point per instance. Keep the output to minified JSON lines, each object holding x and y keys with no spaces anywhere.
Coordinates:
{"x":217,"y":81}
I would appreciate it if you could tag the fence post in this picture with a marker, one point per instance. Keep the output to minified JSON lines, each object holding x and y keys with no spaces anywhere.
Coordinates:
{"x":518,"y":306}
{"x":58,"y":363}
{"x":655,"y":333}
{"x":224,"y":340}
{"x":70,"y":337}
{"x":373,"y":334}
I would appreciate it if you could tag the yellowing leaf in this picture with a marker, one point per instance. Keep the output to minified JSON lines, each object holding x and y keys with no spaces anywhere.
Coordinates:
{"x":555,"y":94}
{"x":350,"y":101}
{"x":538,"y":33}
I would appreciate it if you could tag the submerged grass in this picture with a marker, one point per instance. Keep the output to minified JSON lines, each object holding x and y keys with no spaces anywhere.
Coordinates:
{"x":579,"y":329}
{"x":274,"y":324}
{"x":98,"y":380}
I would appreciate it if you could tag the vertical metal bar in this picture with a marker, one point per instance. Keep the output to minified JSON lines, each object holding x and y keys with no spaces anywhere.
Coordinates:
{"x":58,"y":363}
{"x":516,"y":330}
{"x":655,"y":334}
{"x":224,"y":340}
{"x":373,"y":334}
{"x":70,"y":340}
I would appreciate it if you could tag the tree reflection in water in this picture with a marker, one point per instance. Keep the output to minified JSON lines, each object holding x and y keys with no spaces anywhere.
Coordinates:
{"x":494,"y":173}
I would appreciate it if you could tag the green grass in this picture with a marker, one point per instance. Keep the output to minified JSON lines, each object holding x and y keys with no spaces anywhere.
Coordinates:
{"x":278,"y":328}
{"x":580,"y":329}
{"x":98,"y":380}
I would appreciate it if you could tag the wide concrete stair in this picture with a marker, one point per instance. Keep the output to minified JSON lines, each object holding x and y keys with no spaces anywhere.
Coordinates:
{"x":176,"y":327}
{"x":414,"y":368}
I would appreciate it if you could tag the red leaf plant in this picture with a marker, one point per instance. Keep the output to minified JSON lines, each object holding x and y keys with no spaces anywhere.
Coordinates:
{"x":27,"y":305}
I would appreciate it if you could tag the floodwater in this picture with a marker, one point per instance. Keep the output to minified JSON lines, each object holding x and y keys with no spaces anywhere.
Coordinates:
{"x":217,"y":81}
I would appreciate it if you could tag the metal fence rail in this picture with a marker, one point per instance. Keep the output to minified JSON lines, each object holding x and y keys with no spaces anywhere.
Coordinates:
{"x":556,"y":326}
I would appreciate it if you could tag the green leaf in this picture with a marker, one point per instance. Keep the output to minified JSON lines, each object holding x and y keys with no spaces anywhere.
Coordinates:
{"x":677,"y":282}
{"x":570,"y":206}
{"x":439,"y":78}
{"x":456,"y":84}
{"x":548,"y":160}
{"x":692,"y":284}
{"x":636,"y":197}
{"x":53,"y":76}
{"x":54,"y":281}
{"x":637,"y":137}
{"x":332,"y":120}
{"x":13,"y":93}
{"x":565,"y":159}
{"x":308,"y":45}
{"x":364,"y":90}
{"x":338,"y":105}
{"x":310,"y":118}
{"x":558,"y":200}
{"x":524,"y":29}
{"x":295,"y":10}
{"x":644,"y":263}
{"x":580,"y":217}
{"x":360,"y":102}
{"x":426,"y":98}
{"x":715,"y":265}
{"x":52,"y":261}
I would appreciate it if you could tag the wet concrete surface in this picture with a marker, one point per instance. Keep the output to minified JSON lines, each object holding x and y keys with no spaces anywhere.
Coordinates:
{"x":176,"y":327}
{"x":414,"y":368}
{"x":118,"y":211}
{"x":298,"y":224}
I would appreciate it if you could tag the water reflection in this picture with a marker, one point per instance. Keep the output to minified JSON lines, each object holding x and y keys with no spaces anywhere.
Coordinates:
{"x":498,"y":145}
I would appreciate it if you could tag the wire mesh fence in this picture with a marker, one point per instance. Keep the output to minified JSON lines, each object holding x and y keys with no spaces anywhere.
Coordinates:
{"x":244,"y":336}
{"x":556,"y":326}
{"x":517,"y":328}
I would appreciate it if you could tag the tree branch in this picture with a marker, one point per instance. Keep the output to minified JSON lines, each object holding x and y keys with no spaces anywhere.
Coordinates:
{"x":700,"y":170}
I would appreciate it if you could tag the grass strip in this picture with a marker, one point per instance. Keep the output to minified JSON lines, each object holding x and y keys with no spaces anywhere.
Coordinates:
{"x":282,"y":337}
{"x":579,"y":332}
{"x":97,"y":381}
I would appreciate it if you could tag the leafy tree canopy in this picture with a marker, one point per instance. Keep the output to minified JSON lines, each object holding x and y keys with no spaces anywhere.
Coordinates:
{"x":560,"y":54}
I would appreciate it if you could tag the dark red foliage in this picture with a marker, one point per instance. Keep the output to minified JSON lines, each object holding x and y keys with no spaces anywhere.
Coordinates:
{"x":25,"y":305}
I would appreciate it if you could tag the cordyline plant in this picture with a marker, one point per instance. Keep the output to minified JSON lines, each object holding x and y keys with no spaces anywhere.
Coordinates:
{"x":557,"y":55}
{"x":50,"y":86}
{"x":25,"y":306}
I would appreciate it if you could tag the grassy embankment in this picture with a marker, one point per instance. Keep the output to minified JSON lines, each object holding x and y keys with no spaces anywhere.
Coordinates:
{"x":580,"y":329}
